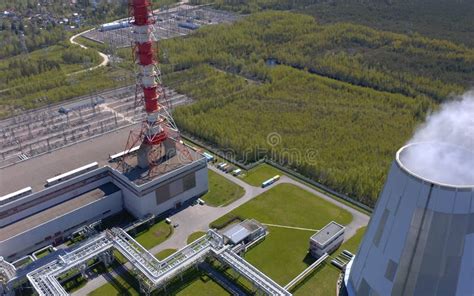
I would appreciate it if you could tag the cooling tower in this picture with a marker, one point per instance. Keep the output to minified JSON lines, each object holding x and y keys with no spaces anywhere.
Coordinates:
{"x":420,"y":240}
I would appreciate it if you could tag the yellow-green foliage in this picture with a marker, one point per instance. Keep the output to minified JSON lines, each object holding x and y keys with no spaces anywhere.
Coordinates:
{"x":411,"y":65}
{"x":349,"y":94}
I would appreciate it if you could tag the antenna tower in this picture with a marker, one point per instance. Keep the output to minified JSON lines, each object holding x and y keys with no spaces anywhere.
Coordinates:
{"x":158,"y":137}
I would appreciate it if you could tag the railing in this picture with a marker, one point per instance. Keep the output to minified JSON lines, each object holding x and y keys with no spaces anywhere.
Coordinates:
{"x":7,"y":271}
{"x":278,"y":166}
{"x":307,"y":271}
{"x":257,"y":277}
{"x":155,"y":273}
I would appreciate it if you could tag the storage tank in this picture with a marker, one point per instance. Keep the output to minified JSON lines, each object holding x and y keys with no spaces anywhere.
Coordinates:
{"x":420,"y":239}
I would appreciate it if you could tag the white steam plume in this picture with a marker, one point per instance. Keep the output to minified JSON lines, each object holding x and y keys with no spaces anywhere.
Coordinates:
{"x":451,"y":159}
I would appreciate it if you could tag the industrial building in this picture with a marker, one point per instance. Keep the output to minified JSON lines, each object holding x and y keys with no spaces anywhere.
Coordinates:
{"x":326,"y":240}
{"x":420,"y":239}
{"x":244,"y":231}
{"x":50,"y":215}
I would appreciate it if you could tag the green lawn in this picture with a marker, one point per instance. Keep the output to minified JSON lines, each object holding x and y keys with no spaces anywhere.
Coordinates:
{"x":197,"y":284}
{"x":353,"y":243}
{"x":282,"y":255}
{"x":194,"y":283}
{"x":120,"y":285}
{"x":43,"y":253}
{"x":157,"y":234}
{"x":74,"y":284}
{"x":321,"y":282}
{"x":165,"y":253}
{"x":289,"y":205}
{"x":286,"y":204}
{"x":260,"y":173}
{"x":194,"y":236}
{"x":221,"y":191}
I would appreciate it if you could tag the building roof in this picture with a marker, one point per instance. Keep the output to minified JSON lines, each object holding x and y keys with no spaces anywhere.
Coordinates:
{"x":34,"y":171}
{"x":58,"y":210}
{"x":237,"y":233}
{"x":184,"y":156}
{"x":327,"y":232}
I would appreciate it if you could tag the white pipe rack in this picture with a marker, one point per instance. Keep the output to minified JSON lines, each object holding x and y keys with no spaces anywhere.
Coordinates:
{"x":257,"y":277}
{"x":307,"y":271}
{"x":153,"y":272}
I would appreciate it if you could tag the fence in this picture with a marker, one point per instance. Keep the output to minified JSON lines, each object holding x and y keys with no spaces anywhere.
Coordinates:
{"x":280,"y":167}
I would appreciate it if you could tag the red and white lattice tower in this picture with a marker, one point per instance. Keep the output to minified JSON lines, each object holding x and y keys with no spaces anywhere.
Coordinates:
{"x":159,"y":134}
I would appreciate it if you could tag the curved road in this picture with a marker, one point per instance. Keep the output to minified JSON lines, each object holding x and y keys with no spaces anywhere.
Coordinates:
{"x":197,"y":218}
{"x":105,"y":58}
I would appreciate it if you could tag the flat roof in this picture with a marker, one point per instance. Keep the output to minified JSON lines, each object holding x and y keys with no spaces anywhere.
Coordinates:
{"x":34,"y":171}
{"x":57,"y":210}
{"x":237,"y":233}
{"x":327,"y":232}
{"x":184,"y":156}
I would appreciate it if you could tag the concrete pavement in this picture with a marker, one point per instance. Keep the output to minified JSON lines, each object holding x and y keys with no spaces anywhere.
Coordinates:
{"x":198,"y":218}
{"x":105,"y":58}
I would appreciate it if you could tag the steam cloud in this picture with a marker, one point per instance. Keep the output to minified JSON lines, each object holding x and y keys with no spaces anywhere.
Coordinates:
{"x":449,"y":158}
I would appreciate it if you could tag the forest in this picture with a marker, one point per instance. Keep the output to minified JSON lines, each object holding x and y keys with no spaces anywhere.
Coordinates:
{"x":411,"y":65}
{"x":350,"y":95}
{"x":440,"y":19}
{"x":48,"y":76}
{"x":40,"y":23}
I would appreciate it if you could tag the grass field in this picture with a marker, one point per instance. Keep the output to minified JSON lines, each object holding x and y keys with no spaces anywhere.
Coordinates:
{"x":195,"y":283}
{"x":157,"y":234}
{"x":286,"y":204}
{"x":284,"y":252}
{"x":165,"y":253}
{"x":43,"y":253}
{"x":124,"y":284}
{"x":221,"y":191}
{"x":194,"y":236}
{"x":259,"y":174}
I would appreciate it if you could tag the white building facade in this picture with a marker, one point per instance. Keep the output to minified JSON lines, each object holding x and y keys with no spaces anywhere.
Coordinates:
{"x":50,"y":215}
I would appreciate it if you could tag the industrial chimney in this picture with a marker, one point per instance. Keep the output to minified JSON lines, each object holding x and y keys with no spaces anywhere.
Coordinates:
{"x":420,"y":240}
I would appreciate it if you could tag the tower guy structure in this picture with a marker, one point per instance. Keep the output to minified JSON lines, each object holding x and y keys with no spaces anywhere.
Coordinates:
{"x":158,"y":135}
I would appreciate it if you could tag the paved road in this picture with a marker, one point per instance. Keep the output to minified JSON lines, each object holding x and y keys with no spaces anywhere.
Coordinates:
{"x":105,"y":58}
{"x":197,"y":218}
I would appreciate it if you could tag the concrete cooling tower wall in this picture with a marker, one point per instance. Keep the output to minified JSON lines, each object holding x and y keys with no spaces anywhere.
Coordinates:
{"x":420,"y":240}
